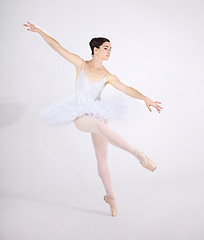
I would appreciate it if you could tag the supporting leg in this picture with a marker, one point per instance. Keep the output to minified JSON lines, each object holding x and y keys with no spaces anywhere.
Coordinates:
{"x":101,"y":151}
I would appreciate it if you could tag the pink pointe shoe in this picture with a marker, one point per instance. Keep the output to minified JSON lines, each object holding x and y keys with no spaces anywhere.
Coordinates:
{"x":113,"y":208}
{"x":149,"y":164}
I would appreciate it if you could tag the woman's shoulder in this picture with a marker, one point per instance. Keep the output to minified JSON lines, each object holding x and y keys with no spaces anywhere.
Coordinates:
{"x":111,"y":78}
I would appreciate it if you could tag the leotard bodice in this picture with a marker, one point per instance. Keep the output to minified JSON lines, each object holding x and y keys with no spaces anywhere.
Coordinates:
{"x":86,"y":101}
{"x":84,"y":85}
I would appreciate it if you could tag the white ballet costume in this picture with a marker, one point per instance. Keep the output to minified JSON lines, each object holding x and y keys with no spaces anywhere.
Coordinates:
{"x":86,"y":101}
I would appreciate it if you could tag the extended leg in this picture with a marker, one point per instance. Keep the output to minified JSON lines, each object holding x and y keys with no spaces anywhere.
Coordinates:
{"x":91,"y":124}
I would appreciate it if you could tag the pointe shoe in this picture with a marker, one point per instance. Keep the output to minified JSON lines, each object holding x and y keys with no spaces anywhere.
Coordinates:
{"x":113,"y":209}
{"x":149,"y":164}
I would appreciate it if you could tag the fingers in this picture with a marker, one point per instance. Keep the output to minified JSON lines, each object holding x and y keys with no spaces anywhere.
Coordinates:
{"x":153,"y":104}
{"x":31,"y":26}
{"x":28,"y":25}
{"x":159,"y":110}
{"x":149,"y":108}
{"x":159,"y":107}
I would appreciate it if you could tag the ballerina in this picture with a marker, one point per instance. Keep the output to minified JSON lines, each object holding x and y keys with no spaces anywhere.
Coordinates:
{"x":90,"y":113}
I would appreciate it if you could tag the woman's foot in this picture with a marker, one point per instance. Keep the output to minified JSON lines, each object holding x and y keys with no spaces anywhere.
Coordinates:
{"x":144,"y":160}
{"x":113,"y":205}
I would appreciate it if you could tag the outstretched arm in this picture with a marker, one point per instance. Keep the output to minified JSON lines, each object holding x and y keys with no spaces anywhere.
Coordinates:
{"x":71,"y":57}
{"x":132,"y":92}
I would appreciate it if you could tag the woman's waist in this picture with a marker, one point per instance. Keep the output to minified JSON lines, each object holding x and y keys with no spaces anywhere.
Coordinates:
{"x":87,"y":96}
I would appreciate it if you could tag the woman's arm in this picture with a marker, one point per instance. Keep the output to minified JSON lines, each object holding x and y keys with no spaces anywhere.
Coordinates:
{"x":132,"y":92}
{"x":71,"y":57}
{"x":116,"y":83}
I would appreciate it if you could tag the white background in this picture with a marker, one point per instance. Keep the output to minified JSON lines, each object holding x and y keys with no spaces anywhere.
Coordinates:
{"x":50,"y":188}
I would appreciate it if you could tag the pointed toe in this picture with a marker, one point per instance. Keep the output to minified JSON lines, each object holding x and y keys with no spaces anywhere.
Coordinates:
{"x":149,"y":164}
{"x":114,"y":209}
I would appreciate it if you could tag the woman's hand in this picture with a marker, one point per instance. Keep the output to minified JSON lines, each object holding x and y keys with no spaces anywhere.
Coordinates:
{"x":149,"y":103}
{"x":32,"y":27}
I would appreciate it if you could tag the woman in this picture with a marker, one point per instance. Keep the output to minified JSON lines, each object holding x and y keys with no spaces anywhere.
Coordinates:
{"x":91,"y":114}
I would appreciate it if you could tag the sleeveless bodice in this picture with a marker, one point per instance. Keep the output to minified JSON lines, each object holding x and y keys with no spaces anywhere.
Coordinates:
{"x":92,"y":89}
{"x":86,"y":101}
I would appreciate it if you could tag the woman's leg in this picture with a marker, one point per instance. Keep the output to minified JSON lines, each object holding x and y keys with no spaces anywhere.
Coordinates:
{"x":101,"y":151}
{"x":91,"y":124}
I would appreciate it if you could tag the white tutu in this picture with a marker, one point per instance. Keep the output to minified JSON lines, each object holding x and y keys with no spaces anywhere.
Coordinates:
{"x":65,"y":110}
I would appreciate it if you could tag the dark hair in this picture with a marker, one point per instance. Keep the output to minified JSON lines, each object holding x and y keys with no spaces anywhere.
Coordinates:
{"x":97,"y":42}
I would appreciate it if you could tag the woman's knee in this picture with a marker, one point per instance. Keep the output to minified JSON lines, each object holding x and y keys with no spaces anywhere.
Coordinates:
{"x":101,"y":126}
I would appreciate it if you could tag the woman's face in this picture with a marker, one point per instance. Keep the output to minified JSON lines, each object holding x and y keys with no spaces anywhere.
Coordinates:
{"x":104,"y":50}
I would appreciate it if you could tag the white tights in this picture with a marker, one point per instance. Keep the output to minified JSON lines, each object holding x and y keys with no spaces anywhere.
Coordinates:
{"x":101,"y":134}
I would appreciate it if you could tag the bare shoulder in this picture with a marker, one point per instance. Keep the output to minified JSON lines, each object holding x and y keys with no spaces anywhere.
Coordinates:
{"x":116,"y":83}
{"x":111,"y":79}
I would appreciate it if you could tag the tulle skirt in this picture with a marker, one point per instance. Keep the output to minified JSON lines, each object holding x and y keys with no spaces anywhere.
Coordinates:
{"x":65,"y":110}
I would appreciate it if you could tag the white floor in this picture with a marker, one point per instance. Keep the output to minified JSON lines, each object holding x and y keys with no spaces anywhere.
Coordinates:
{"x":49,"y":186}
{"x":146,"y":211}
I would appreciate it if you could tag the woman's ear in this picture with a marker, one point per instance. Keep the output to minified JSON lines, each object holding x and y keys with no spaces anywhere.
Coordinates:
{"x":95,"y":49}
